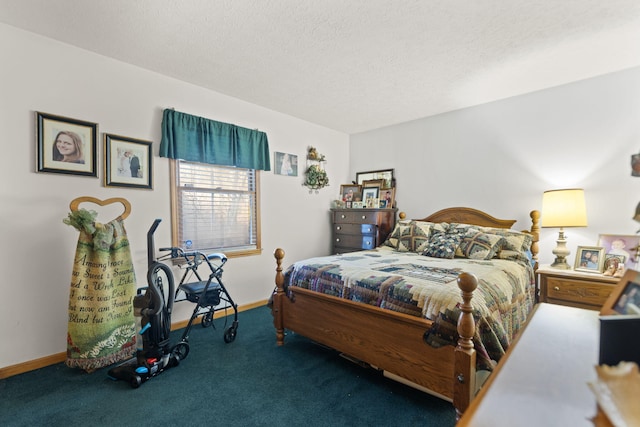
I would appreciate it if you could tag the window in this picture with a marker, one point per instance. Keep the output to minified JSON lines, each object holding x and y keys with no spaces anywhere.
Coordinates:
{"x":215,"y":208}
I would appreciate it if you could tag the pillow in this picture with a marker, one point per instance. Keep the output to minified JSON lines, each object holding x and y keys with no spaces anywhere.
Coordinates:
{"x":479,"y":245}
{"x":393,"y":240}
{"x":462,"y":229}
{"x":442,"y":244}
{"x":514,"y":240}
{"x":418,"y":239}
{"x":412,"y":236}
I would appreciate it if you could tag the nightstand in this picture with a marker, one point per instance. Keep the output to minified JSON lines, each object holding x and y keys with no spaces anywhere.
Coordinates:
{"x":574,"y":288}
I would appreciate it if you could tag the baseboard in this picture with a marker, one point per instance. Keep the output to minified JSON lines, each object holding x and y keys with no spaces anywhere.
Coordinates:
{"x":42,"y":362}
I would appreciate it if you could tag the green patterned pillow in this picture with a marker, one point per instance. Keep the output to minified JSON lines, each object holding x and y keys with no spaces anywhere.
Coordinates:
{"x":420,"y":235}
{"x":479,"y":245}
{"x":443,"y":244}
{"x":412,"y":236}
{"x":393,"y":240}
{"x":514,"y":240}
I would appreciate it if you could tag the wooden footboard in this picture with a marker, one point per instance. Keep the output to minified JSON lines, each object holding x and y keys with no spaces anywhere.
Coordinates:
{"x":389,"y":341}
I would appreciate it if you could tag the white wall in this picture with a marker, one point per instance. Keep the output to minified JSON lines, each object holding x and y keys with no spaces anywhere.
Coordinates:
{"x":500,"y":157}
{"x":39,"y":74}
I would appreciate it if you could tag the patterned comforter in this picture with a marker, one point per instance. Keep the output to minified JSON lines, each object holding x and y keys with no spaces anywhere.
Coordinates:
{"x":411,"y":283}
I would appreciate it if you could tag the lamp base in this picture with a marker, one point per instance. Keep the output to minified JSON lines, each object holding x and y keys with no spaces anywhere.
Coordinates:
{"x":561,"y":252}
{"x":561,"y":263}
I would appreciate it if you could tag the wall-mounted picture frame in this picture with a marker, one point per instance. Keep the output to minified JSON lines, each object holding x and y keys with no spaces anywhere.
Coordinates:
{"x":385,"y":174}
{"x":285,"y":164}
{"x":589,"y":258}
{"x":127,"y":162}
{"x":65,"y":145}
{"x":624,"y":245}
{"x":625,"y":297}
{"x":387,"y":198}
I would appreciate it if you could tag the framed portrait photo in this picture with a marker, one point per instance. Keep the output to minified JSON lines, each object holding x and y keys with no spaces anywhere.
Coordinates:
{"x":590,"y":258}
{"x":66,"y":145}
{"x":285,"y":164}
{"x":621,"y":245}
{"x":350,"y":193}
{"x":370,"y":196}
{"x":127,"y":162}
{"x":387,"y":197}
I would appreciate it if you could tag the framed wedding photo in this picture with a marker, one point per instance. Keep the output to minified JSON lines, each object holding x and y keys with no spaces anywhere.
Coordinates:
{"x":127,"y":162}
{"x":66,"y":145}
{"x":590,"y":258}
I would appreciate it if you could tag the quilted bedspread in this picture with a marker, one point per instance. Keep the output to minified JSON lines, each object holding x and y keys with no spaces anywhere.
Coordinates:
{"x":411,"y":283}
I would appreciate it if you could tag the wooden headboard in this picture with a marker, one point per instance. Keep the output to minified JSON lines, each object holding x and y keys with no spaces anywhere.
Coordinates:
{"x":465,"y":215}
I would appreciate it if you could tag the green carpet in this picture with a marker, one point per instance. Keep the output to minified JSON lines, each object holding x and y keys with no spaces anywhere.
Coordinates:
{"x":250,"y":382}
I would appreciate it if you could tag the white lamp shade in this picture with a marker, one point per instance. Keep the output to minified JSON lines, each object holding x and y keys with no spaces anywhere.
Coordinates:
{"x":564,"y":208}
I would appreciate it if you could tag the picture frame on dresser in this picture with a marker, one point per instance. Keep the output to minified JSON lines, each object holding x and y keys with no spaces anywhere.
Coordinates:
{"x":590,"y":259}
{"x":385,"y":174}
{"x":350,"y":193}
{"x":371,"y":196}
{"x":625,"y":297}
{"x":626,"y":245}
{"x":380,"y":183}
{"x":387,"y":198}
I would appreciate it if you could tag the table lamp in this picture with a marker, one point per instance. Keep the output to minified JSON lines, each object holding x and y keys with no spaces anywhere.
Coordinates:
{"x":563,"y":208}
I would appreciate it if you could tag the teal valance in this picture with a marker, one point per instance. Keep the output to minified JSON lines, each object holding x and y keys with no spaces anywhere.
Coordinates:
{"x":197,"y":139}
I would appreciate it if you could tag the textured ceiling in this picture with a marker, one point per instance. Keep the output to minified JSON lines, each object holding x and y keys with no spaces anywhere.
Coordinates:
{"x":351,"y":65}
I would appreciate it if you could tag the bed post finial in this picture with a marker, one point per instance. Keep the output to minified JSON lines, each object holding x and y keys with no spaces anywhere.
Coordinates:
{"x":465,"y":354}
{"x":278,"y":297}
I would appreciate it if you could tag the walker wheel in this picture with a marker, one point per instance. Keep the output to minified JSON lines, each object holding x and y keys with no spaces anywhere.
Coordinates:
{"x":135,"y":381}
{"x":230,"y":334}
{"x":181,"y":350}
{"x":207,"y":320}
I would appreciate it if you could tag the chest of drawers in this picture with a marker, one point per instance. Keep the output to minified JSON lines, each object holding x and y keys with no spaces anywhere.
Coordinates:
{"x":360,"y":229}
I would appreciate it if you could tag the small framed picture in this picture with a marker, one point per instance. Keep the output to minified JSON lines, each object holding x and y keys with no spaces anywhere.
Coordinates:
{"x":357,"y":205}
{"x":374,"y":183}
{"x":127,"y":162}
{"x":590,"y":258}
{"x":369,"y":194}
{"x":372,"y":203}
{"x":351,"y":193}
{"x":285,"y":164}
{"x":622,"y":245}
{"x":387,"y":198}
{"x":625,"y":297}
{"x":66,"y":145}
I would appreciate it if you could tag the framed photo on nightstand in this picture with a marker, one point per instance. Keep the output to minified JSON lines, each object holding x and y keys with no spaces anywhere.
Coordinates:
{"x":622,"y":246}
{"x":589,"y":258}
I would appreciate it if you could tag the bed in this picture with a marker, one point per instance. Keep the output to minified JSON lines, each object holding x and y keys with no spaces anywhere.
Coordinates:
{"x":375,"y":307}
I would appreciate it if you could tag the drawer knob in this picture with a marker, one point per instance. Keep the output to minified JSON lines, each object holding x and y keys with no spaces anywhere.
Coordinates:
{"x":338,"y":228}
{"x":364,"y":217}
{"x":343,"y":216}
{"x":337,"y":240}
{"x":556,"y":288}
